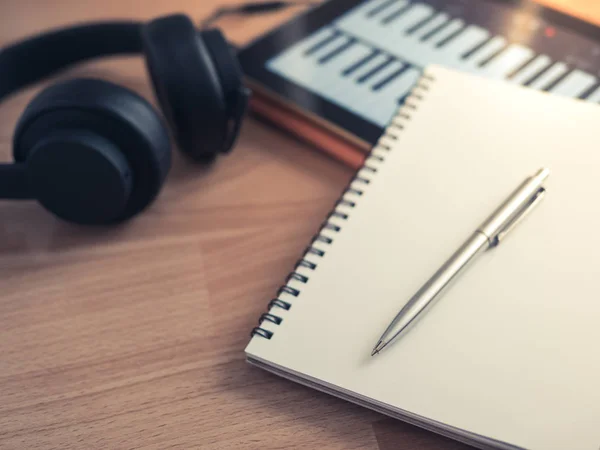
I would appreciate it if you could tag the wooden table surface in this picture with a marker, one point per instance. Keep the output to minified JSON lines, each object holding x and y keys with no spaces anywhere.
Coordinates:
{"x":133,"y":337}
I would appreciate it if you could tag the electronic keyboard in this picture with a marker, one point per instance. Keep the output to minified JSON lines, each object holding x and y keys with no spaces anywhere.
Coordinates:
{"x":363,"y":60}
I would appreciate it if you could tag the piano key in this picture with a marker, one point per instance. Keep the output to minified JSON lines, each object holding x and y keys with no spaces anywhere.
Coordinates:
{"x":370,"y":65}
{"x":453,"y":26}
{"x":358,"y":64}
{"x":557,"y":80}
{"x":395,"y":14}
{"x":382,"y":104}
{"x":531,"y":69}
{"x":450,"y":55}
{"x":377,"y":6}
{"x":412,"y":16}
{"x":590,"y":90}
{"x":363,"y":15}
{"x":422,"y":22}
{"x":574,"y":84}
{"x":437,"y":21}
{"x":389,"y":69}
{"x":329,"y":36}
{"x":319,"y":78}
{"x":371,"y":73}
{"x":511,"y":58}
{"x":548,"y":76}
{"x":434,"y":30}
{"x":487,"y":50}
{"x":336,"y":51}
{"x":387,"y":80}
{"x":594,"y":97}
{"x":520,"y":67}
{"x":484,"y":62}
{"x":449,"y":38}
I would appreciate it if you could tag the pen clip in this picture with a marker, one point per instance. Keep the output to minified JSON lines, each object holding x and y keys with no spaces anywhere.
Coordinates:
{"x":532,"y":203}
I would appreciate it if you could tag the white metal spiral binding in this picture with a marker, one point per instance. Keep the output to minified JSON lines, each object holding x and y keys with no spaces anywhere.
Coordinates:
{"x":341,"y":212}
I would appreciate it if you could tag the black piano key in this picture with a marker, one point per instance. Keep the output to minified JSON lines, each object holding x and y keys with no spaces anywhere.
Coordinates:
{"x":470,"y":52}
{"x":538,"y":74}
{"x":358,"y":64}
{"x":396,"y":14}
{"x":516,"y":70}
{"x":493,"y":55}
{"x":557,"y":80}
{"x":374,"y":70}
{"x":336,"y":51}
{"x":450,"y":37}
{"x":380,"y":8}
{"x":322,"y":43}
{"x":585,"y":94}
{"x":435,"y":31}
{"x":379,"y":85}
{"x":421,"y":23}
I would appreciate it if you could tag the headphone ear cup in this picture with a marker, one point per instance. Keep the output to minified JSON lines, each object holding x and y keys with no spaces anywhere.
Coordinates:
{"x":187,"y":85}
{"x":100,"y":118}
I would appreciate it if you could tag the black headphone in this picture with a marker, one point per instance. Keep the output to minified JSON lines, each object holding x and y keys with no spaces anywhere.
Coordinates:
{"x":93,"y":152}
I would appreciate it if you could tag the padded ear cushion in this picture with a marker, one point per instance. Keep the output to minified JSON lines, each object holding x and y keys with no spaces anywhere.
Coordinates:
{"x":230,"y":74}
{"x":186,"y":84}
{"x":116,"y":114}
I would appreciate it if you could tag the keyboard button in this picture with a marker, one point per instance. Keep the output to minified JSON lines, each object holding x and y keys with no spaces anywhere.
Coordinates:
{"x":594,"y":97}
{"x":383,"y":75}
{"x":383,"y":103}
{"x":370,"y":66}
{"x":492,"y":46}
{"x":557,"y":70}
{"x":395,"y":14}
{"x":373,"y":8}
{"x":336,"y":51}
{"x":574,"y":84}
{"x":448,"y":30}
{"x":450,"y":55}
{"x":506,"y":62}
{"x":530,"y":70}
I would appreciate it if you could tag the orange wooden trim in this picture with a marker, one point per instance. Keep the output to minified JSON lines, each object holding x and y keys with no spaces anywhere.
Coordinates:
{"x":308,"y":131}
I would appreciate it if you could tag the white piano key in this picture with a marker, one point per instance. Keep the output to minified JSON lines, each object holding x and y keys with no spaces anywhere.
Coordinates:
{"x":415,"y":14}
{"x":385,"y":72}
{"x":384,"y":103}
{"x":374,"y":7}
{"x":357,"y":18}
{"x":511,"y":58}
{"x":369,"y":66}
{"x":329,"y":74}
{"x":438,"y":20}
{"x":329,"y":47}
{"x":574,"y":84}
{"x":549,"y":75}
{"x":531,"y":69}
{"x":491,"y":47}
{"x":451,"y":53}
{"x":365,"y":8}
{"x":594,"y":97}
{"x":296,"y":66}
{"x":451,"y":28}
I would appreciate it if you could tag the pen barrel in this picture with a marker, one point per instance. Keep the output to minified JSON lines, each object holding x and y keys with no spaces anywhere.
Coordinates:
{"x":450,"y":270}
{"x":513,"y":207}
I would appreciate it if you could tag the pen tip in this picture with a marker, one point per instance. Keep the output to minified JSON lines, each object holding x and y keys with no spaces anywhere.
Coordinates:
{"x":378,"y":348}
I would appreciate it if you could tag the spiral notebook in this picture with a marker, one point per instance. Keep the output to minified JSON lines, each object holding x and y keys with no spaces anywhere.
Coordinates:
{"x":508,"y":357}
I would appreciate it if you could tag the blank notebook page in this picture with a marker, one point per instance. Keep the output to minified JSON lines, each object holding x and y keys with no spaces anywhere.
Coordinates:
{"x":510,"y":350}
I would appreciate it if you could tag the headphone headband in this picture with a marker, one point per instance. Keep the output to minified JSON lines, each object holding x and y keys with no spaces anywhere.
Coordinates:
{"x":40,"y":56}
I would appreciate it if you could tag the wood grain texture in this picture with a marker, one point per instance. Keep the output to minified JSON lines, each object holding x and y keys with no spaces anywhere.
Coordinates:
{"x":133,"y":337}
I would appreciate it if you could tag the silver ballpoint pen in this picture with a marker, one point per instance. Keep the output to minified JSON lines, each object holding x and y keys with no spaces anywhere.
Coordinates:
{"x":486,"y":236}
